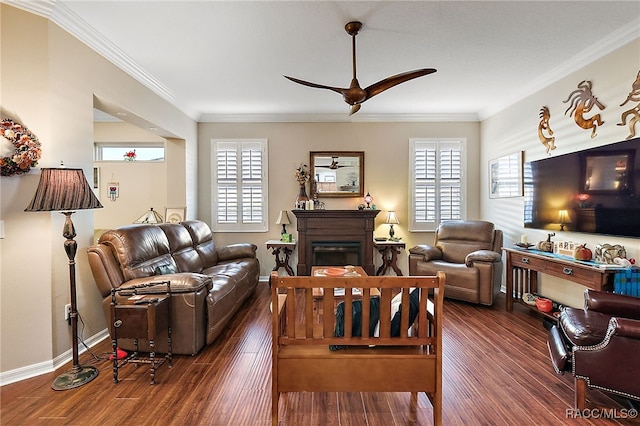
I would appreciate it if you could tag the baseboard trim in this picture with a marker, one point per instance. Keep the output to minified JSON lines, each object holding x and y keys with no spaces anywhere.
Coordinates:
{"x":29,"y":371}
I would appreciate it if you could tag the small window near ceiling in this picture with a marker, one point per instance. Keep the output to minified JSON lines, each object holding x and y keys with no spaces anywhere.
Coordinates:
{"x":120,"y":152}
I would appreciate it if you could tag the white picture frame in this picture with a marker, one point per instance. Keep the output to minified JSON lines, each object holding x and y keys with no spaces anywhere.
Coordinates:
{"x":175,"y":214}
{"x":505,"y":176}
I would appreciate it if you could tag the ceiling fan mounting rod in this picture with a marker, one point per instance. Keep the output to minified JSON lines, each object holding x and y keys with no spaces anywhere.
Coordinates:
{"x":352,"y":28}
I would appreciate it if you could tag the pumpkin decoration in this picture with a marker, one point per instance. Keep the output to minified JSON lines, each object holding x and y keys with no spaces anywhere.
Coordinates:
{"x":582,"y":253}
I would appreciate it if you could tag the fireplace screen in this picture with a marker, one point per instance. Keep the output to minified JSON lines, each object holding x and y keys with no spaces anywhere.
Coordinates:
{"x":335,"y":253}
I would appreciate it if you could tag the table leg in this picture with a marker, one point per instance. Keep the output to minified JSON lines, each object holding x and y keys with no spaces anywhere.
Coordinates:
{"x":394,"y":261}
{"x":509,"y":284}
{"x":383,"y":268}
{"x":282,"y":259}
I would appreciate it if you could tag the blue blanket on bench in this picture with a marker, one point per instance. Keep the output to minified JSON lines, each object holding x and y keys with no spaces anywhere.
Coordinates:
{"x":374,"y":317}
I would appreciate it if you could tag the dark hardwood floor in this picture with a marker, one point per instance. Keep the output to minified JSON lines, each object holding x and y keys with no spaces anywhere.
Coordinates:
{"x":496,"y":371}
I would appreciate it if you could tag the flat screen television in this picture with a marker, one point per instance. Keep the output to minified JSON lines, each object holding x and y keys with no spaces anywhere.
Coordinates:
{"x":593,"y":191}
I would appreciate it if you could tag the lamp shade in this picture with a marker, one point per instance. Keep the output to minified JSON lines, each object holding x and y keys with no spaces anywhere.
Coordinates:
{"x":62,"y":189}
{"x":283,"y":218}
{"x":392,"y":219}
{"x":563,"y":216}
{"x":150,"y":216}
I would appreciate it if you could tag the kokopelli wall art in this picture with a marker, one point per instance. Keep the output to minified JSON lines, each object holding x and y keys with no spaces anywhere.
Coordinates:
{"x":545,"y":134}
{"x":581,"y":101}
{"x":634,"y":113}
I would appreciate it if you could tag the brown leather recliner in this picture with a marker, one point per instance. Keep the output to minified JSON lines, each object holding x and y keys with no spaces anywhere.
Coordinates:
{"x":470,"y":253}
{"x":599,"y":345}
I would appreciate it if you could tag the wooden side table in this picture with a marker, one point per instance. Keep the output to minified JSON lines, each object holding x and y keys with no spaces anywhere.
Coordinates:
{"x":140,"y":316}
{"x":389,"y":251}
{"x":282,"y":251}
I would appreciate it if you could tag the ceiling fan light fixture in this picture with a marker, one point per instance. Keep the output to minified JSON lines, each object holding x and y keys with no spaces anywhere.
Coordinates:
{"x":355,"y":95}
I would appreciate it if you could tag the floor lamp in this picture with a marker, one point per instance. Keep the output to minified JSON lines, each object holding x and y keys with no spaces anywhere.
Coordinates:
{"x":67,"y":190}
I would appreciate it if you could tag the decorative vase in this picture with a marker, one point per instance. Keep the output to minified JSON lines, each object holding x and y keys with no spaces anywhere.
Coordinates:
{"x":302,"y":198}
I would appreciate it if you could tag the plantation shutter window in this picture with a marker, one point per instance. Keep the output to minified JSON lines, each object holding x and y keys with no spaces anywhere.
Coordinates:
{"x":239,"y":186}
{"x":436,"y":182}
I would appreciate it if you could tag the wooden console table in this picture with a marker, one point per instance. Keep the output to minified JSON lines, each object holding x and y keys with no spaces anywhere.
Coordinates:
{"x":523,"y":267}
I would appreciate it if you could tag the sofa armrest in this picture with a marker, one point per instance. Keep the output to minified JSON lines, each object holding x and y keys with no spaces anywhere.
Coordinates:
{"x":482,"y":256}
{"x":613,"y":304}
{"x":427,"y":252}
{"x":181,"y":282}
{"x":237,"y":251}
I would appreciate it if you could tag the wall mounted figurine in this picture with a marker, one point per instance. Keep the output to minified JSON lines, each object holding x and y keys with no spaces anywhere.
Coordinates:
{"x":634,"y":96}
{"x":543,"y":126}
{"x":582,"y":100}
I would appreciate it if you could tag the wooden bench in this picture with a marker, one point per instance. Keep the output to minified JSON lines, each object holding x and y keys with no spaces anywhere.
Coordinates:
{"x":303,"y":362}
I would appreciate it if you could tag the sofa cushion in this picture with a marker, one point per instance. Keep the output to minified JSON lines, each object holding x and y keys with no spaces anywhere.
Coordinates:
{"x":202,"y":239}
{"x":139,"y":249}
{"x":182,"y":248}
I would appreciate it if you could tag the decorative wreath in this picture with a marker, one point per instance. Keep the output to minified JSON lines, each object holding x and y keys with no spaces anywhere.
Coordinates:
{"x":26,"y":151}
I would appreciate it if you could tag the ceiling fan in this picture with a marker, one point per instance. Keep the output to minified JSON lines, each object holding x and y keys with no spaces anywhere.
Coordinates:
{"x":355,"y":95}
{"x":334,"y":164}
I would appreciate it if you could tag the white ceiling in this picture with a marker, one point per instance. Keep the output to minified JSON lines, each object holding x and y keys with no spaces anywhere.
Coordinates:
{"x":223,"y":60}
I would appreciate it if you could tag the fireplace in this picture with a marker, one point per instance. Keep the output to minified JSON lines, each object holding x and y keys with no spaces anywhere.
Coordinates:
{"x":336,"y":253}
{"x":335,"y":237}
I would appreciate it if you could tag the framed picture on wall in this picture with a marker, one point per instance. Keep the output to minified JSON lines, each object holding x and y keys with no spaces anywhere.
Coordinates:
{"x":505,"y":176}
{"x":175,"y":214}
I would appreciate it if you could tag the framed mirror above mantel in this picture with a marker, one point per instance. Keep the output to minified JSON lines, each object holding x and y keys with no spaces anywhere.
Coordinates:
{"x":337,"y":173}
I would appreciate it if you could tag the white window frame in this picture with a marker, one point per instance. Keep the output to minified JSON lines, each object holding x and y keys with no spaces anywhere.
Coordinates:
{"x":239,"y":225}
{"x":128,"y":146}
{"x":439,"y":145}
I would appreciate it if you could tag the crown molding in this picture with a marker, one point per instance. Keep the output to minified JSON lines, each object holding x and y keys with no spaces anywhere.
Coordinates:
{"x":75,"y":25}
{"x":335,"y":118}
{"x":69,"y":21}
{"x":606,"y":45}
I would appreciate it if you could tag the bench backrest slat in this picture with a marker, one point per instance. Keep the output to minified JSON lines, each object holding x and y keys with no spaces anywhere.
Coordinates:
{"x":304,"y":326}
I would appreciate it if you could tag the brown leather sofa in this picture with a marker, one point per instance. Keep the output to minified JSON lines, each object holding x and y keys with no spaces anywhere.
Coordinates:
{"x":599,"y":345}
{"x":208,"y":283}
{"x":469,"y":253}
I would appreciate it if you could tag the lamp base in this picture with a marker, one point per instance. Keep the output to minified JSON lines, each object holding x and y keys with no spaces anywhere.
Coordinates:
{"x":75,"y":378}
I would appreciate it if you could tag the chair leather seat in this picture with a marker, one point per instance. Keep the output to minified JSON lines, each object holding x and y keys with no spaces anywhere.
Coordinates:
{"x":583,"y":327}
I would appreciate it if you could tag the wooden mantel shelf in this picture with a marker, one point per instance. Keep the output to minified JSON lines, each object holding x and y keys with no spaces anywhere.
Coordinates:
{"x":335,"y":225}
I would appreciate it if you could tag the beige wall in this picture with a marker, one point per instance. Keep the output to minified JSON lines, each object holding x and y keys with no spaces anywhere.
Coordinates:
{"x":515,"y":129}
{"x":142,"y":184}
{"x":386,"y":147}
{"x":48,"y":81}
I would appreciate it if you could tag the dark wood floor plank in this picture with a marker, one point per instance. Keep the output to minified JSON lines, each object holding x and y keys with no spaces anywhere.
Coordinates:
{"x":496,"y":371}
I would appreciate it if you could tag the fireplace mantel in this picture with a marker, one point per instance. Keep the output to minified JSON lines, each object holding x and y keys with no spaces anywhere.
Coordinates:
{"x":335,"y":225}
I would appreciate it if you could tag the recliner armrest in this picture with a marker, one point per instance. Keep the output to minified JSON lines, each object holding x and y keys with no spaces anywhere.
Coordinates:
{"x":613,"y":304}
{"x":427,"y":251}
{"x":482,"y":256}
{"x":625,"y":327}
{"x":237,"y":251}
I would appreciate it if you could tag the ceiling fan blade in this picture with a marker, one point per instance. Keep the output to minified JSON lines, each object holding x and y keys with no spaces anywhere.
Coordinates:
{"x":318,"y":86}
{"x":394,"y":80}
